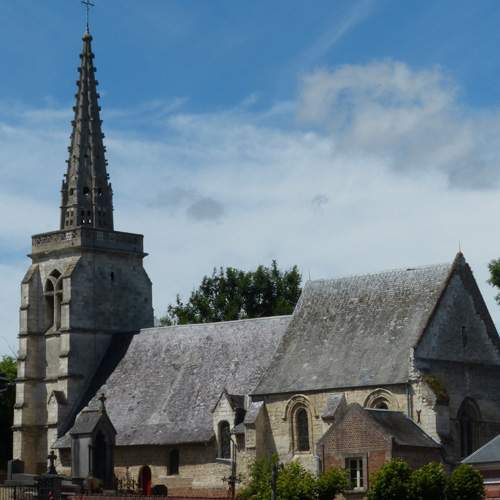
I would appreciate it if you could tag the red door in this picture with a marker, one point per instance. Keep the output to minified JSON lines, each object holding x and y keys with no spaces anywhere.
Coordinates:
{"x":145,"y":480}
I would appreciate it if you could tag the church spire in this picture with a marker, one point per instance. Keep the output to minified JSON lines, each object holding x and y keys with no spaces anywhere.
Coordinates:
{"x":87,"y":197}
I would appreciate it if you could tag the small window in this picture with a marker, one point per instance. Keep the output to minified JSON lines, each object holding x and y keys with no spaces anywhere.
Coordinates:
{"x":225,"y":440}
{"x":86,"y":191}
{"x":355,"y":468}
{"x":174,"y":463}
{"x":240,"y":416}
{"x":302,"y":430}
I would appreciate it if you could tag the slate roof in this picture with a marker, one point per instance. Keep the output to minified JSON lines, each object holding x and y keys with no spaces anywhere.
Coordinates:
{"x":490,"y":452}
{"x":356,"y":330}
{"x":164,"y":388}
{"x":86,"y":422}
{"x":403,"y":430}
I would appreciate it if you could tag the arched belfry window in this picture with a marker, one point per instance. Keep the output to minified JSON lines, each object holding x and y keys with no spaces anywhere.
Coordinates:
{"x":53,"y":291}
{"x":469,"y":417}
{"x":224,"y":440}
{"x":302,"y":426}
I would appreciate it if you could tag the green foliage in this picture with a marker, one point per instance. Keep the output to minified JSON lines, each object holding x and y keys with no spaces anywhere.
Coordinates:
{"x":395,"y":481}
{"x":494,"y":268}
{"x":294,"y":482}
{"x":438,"y":386}
{"x":230,"y":294}
{"x":428,"y":482}
{"x":391,"y":482}
{"x":466,"y":483}
{"x":260,"y":480}
{"x":8,"y":365}
{"x":331,"y":483}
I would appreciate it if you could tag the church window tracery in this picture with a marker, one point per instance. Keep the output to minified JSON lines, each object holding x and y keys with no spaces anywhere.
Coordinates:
{"x":468,"y":419}
{"x":53,"y":296}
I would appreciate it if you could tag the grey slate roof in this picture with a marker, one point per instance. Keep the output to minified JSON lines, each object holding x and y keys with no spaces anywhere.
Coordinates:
{"x":333,"y":403}
{"x":490,"y":452}
{"x":253,"y":412}
{"x":404,"y":431}
{"x":164,"y":388}
{"x":356,"y":330}
{"x":86,"y":422}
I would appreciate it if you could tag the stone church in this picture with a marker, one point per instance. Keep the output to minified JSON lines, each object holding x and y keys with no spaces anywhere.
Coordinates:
{"x":368,"y":367}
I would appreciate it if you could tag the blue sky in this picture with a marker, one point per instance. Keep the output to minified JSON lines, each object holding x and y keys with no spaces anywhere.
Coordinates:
{"x":342,"y":136}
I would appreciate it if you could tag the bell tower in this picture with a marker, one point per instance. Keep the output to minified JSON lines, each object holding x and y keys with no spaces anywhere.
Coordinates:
{"x":86,"y":284}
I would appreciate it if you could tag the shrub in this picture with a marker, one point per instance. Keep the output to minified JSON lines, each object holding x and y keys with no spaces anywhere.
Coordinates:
{"x":391,"y":482}
{"x":466,"y":483}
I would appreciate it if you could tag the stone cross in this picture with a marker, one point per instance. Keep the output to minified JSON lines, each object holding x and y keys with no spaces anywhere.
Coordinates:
{"x":102,"y":399}
{"x":52,"y":458}
{"x":88,"y":4}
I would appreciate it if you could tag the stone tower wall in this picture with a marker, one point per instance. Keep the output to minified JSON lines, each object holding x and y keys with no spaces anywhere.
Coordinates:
{"x":73,"y":301}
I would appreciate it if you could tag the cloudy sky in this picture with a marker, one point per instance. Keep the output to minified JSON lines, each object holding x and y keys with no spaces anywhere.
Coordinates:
{"x":344,"y":136}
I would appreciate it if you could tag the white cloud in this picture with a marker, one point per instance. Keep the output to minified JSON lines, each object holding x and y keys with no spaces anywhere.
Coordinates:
{"x":411,"y":119}
{"x":345,"y":198}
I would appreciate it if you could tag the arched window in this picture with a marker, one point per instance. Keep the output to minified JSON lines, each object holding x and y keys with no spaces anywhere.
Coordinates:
{"x":468,"y":419}
{"x":173,"y":469}
{"x":381,"y":399}
{"x":53,"y":296}
{"x":224,"y":440}
{"x":302,"y":426}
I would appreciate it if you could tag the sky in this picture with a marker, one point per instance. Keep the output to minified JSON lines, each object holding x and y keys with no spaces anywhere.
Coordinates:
{"x":341,"y":136}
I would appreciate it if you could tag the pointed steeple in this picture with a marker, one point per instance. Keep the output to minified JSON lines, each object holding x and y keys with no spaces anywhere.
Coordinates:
{"x":87,"y":197}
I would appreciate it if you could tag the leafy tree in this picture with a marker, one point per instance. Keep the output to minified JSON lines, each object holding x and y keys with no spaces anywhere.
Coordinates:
{"x":230,"y":294}
{"x":259,"y":487}
{"x":494,"y":268}
{"x":8,"y":366}
{"x":331,"y":483}
{"x":428,"y":482}
{"x":391,"y":482}
{"x":466,"y":483}
{"x":294,"y":482}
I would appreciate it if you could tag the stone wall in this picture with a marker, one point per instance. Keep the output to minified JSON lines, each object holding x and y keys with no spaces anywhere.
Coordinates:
{"x":280,"y":409}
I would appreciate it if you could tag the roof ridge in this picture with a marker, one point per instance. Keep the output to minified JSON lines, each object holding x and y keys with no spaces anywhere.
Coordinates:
{"x":385,"y":271}
{"x":232,"y":321}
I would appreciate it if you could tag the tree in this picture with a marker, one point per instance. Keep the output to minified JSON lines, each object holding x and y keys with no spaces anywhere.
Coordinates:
{"x":428,"y":482}
{"x":8,"y":366}
{"x":230,"y":294}
{"x":391,"y":482}
{"x":494,"y":268}
{"x":294,"y":482}
{"x":466,"y":483}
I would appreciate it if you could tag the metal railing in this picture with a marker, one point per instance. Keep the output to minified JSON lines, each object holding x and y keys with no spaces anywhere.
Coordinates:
{"x":19,"y":492}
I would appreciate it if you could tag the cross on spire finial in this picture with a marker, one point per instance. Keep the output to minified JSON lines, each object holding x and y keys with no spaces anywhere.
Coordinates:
{"x":88,"y":4}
